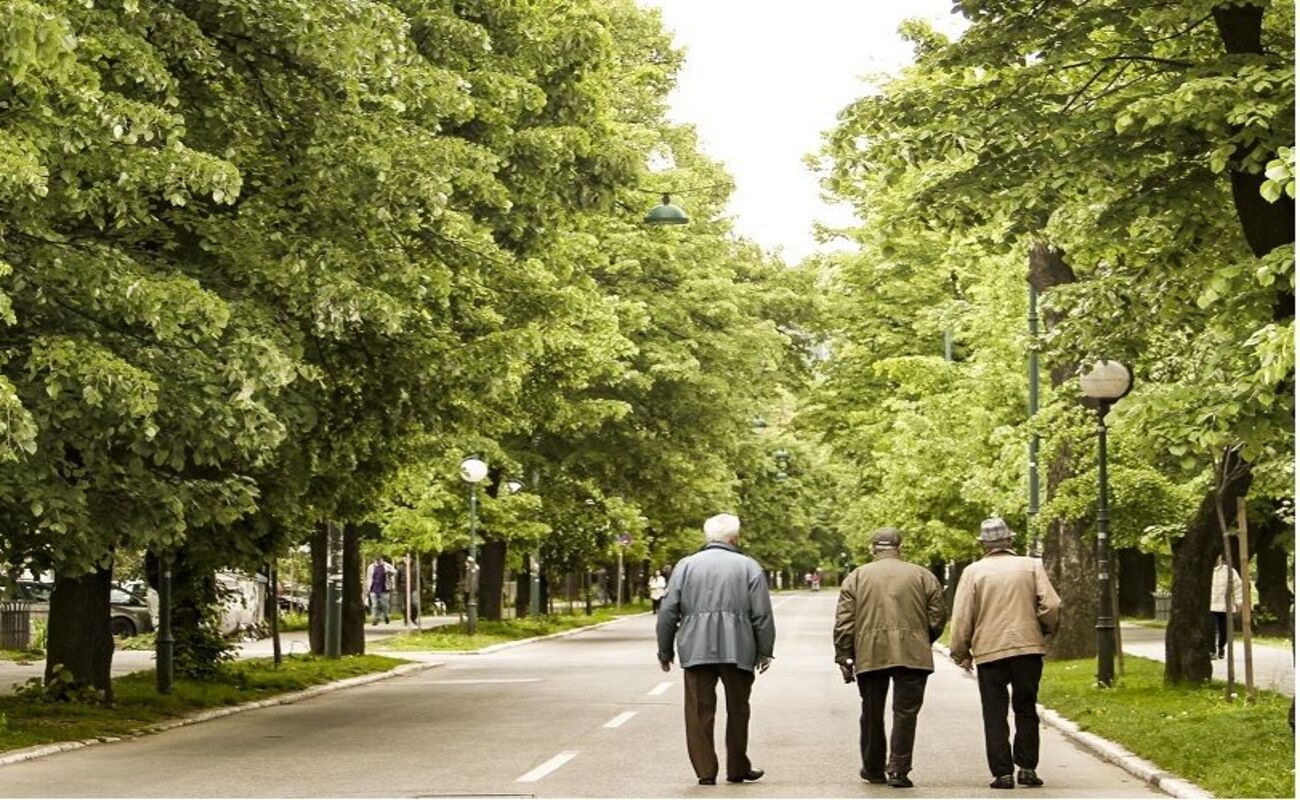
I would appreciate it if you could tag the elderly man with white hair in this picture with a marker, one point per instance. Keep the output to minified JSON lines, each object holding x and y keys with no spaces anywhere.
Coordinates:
{"x":719,"y":613}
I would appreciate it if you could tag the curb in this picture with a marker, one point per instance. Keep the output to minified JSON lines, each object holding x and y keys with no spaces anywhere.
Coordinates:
{"x":518,"y":642}
{"x":1113,"y":753}
{"x":40,"y":751}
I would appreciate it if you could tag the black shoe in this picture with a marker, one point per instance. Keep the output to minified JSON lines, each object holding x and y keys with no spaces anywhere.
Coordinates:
{"x":752,"y":775}
{"x":708,"y":781}
{"x":1003,"y":782}
{"x":899,"y":781}
{"x":1027,"y":777}
{"x":872,"y":777}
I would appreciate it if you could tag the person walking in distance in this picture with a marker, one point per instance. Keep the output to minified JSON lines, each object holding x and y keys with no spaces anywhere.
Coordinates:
{"x":889,"y":613}
{"x":379,"y":580}
{"x":658,"y":588}
{"x":1003,"y":612}
{"x":718,"y":614}
{"x":1219,"y":609}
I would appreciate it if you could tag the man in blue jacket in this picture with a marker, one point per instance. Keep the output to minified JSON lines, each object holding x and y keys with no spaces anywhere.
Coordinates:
{"x":719,"y":612}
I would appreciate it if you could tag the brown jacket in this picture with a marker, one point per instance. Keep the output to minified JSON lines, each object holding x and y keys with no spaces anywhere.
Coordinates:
{"x":889,"y":613}
{"x":1005,"y":606}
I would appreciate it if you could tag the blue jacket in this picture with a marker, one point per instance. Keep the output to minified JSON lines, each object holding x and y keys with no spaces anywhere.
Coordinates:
{"x":718,"y":610}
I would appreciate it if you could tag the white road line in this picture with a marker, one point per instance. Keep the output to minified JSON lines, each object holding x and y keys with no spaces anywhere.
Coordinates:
{"x":660,"y":689}
{"x":781,"y":602}
{"x":620,"y":719}
{"x":547,"y":768}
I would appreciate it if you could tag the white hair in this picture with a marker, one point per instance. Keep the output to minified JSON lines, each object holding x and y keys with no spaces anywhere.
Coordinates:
{"x":721,"y":527}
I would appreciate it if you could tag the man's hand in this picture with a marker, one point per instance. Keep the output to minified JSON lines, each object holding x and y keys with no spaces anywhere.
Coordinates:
{"x":965,"y":664}
{"x":846,"y":671}
{"x":763,"y":664}
{"x":666,"y":666}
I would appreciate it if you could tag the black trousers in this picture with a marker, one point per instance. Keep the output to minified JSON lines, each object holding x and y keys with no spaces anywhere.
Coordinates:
{"x":701,"y":709}
{"x":1219,"y":634}
{"x":909,"y":692}
{"x":1022,"y":673}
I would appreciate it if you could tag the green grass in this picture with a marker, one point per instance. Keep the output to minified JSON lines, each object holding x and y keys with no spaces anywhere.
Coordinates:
{"x":25,"y":722}
{"x":22,"y":655}
{"x":1233,"y":750}
{"x":454,"y":637}
{"x":293,"y":621}
{"x":1264,"y":640}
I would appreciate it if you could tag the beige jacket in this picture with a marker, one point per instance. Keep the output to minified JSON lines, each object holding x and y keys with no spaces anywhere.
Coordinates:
{"x":889,"y":613}
{"x":1005,"y":606}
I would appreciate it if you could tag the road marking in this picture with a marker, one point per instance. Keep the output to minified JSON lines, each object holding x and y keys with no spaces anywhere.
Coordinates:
{"x":547,"y":768}
{"x":465,"y":681}
{"x":780,"y":603}
{"x":660,"y":689}
{"x":620,"y":719}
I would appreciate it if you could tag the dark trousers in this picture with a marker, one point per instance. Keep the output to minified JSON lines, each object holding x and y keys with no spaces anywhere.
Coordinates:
{"x":909,"y":692}
{"x":1219,"y":634}
{"x":701,"y":708}
{"x":1023,"y":674}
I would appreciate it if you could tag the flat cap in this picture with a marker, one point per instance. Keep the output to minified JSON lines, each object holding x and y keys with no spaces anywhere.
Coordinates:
{"x":887,"y":537}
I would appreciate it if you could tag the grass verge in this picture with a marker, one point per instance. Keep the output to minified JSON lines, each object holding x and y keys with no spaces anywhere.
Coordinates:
{"x":455,"y":637}
{"x":25,"y":722}
{"x":22,"y":655}
{"x":1232,"y":750}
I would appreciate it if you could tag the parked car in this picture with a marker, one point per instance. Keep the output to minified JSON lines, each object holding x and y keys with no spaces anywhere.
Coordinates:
{"x":128,"y":612}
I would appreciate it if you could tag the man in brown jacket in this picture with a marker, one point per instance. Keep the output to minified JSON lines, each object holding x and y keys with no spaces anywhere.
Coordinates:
{"x":889,"y":613}
{"x":1004,"y":609}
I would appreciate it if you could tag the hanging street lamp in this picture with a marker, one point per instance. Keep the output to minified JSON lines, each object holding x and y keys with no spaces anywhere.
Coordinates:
{"x":666,"y":214}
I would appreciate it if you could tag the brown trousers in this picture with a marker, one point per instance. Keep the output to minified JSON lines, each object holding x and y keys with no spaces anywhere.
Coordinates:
{"x":701,"y":708}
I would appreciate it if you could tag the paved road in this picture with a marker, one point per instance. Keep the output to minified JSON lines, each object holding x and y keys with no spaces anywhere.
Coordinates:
{"x":588,"y":715}
{"x":1274,"y":667}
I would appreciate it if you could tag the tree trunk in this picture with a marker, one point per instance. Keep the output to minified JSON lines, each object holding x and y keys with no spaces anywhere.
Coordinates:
{"x":196,"y":616}
{"x":1137,"y":580}
{"x":491,"y":578}
{"x":273,"y":597}
{"x":353,"y":640}
{"x":316,"y":600}
{"x":523,"y":592}
{"x":1187,"y":648}
{"x":447,"y":579}
{"x":1271,"y":575}
{"x":1068,"y":558}
{"x":80,"y":639}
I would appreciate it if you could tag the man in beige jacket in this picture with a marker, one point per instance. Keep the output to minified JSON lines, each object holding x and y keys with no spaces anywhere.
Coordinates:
{"x":1004,"y":609}
{"x":889,"y":613}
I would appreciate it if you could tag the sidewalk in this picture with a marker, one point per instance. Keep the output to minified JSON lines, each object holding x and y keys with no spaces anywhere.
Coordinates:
{"x":1274,"y":667}
{"x":125,"y":661}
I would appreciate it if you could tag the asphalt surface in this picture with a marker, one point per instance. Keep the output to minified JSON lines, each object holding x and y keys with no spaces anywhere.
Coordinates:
{"x":1273,"y":667}
{"x":587,"y":715}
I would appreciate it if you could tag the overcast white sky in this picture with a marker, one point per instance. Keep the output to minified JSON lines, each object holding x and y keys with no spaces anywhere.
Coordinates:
{"x":763,"y":80}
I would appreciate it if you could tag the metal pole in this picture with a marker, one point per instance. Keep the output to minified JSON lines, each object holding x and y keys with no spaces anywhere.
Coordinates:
{"x":1105,"y":617}
{"x":947,"y":345}
{"x":334,"y":598}
{"x":1245,"y":599}
{"x":165,"y":642}
{"x":471,"y":567}
{"x":535,"y":572}
{"x":619,"y":590}
{"x":1033,"y":411}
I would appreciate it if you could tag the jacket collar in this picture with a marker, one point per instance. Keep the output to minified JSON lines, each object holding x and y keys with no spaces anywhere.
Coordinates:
{"x":882,"y":556}
{"x":1005,"y":551}
{"x":720,"y":546}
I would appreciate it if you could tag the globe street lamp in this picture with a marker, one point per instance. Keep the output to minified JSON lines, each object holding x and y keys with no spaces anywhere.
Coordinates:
{"x":472,"y":471}
{"x":1107,"y":382}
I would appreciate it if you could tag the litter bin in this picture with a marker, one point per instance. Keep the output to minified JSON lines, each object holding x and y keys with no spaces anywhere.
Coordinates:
{"x":15,"y":624}
{"x":1163,"y":601}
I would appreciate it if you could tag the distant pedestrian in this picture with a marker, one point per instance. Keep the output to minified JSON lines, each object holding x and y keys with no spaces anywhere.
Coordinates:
{"x":718,"y":611}
{"x":379,"y":578}
{"x":1219,"y":609}
{"x":888,"y":615}
{"x":658,"y":588}
{"x":1004,"y":609}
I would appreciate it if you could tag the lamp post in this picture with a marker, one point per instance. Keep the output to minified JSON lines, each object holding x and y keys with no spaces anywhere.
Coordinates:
{"x":1107,"y":382}
{"x":472,"y":471}
{"x":1033,"y":411}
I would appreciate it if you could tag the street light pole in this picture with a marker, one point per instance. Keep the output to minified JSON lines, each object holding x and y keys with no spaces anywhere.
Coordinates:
{"x":1107,"y":382}
{"x":1033,"y":412}
{"x":1105,"y":613}
{"x":472,"y":471}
